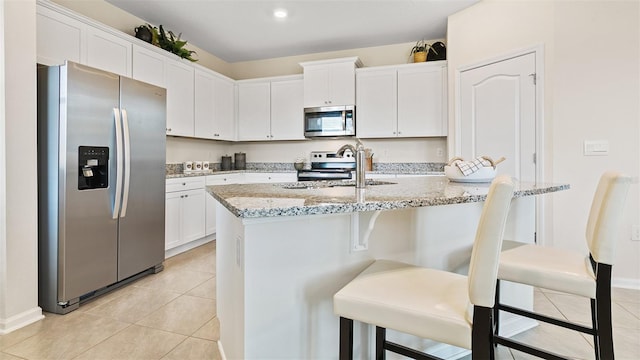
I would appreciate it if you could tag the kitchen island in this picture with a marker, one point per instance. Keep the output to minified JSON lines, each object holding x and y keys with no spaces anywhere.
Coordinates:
{"x":283,"y":250}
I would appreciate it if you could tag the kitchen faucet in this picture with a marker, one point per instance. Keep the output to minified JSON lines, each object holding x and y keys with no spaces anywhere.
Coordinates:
{"x":358,"y":152}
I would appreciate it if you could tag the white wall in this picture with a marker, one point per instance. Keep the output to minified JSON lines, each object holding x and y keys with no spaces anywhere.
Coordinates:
{"x":18,"y":257}
{"x":385,"y":150}
{"x":592,"y":88}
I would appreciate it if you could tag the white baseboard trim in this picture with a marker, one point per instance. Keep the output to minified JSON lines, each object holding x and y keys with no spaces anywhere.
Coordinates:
{"x":221,"y":351}
{"x":626,"y":283}
{"x":20,"y":320}
{"x":188,"y":246}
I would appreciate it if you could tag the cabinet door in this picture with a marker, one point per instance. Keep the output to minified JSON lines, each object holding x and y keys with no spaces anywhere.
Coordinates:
{"x":210,"y":215}
{"x":193,"y":214}
{"x":421,"y":102}
{"x":108,"y":52}
{"x":148,"y":66}
{"x":224,"y":106}
{"x":316,"y":85}
{"x":210,"y":212}
{"x":180,"y":78}
{"x":254,"y":111}
{"x":172,"y":220}
{"x":376,"y":103}
{"x":342,"y":84}
{"x":204,"y":105}
{"x":287,"y":110}
{"x":58,"y":37}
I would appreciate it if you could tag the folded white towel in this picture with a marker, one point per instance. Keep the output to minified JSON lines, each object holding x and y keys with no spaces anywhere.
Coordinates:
{"x":469,"y":167}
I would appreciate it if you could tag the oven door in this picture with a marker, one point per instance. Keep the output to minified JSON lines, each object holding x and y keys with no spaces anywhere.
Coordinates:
{"x":329,"y":121}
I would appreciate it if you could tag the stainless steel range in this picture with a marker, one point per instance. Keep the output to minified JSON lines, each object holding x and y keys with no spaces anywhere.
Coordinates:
{"x":326,"y":165}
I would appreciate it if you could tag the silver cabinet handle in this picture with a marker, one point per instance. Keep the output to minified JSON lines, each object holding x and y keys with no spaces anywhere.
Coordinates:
{"x":118,"y":195}
{"x":127,"y":162}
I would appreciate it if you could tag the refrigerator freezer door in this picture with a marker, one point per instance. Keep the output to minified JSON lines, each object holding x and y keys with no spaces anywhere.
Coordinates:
{"x":87,"y":231}
{"x":141,"y":229}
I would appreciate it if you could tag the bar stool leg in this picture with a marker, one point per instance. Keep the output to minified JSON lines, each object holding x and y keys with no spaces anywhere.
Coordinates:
{"x":346,"y":339}
{"x":381,"y":337}
{"x":603,"y":312}
{"x":594,"y":323}
{"x":496,"y":311}
{"x":482,"y":347}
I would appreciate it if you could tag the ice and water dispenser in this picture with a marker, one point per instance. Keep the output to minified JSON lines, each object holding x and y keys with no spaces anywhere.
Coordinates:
{"x":93,"y":167}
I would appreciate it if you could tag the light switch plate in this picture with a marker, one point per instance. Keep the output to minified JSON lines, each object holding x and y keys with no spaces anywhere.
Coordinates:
{"x":596,"y":147}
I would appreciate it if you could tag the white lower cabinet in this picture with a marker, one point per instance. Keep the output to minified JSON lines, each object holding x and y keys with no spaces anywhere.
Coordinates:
{"x":253,"y":178}
{"x":184,"y":211}
{"x":210,"y":221}
{"x":190,"y":211}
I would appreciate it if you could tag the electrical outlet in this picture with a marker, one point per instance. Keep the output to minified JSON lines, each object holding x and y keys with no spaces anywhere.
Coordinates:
{"x":635,"y":233}
{"x":439,"y":152}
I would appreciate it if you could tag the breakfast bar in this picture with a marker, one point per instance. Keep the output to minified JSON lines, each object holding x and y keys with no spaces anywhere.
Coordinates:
{"x":284,"y":249}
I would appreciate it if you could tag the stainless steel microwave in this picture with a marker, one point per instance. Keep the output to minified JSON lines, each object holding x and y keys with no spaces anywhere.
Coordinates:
{"x":330,"y":121}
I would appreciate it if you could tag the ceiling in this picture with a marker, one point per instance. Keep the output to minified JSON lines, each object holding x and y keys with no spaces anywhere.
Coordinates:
{"x":244,"y":30}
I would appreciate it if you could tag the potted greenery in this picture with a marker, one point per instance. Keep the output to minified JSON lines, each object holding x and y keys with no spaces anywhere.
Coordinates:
{"x":419,"y":51}
{"x":165,"y":40}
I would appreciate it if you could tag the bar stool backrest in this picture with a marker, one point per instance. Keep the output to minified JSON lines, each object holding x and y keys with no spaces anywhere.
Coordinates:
{"x":605,"y":216}
{"x":483,"y":268}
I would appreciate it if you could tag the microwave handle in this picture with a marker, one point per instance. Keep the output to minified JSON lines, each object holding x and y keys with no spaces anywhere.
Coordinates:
{"x":344,"y":119}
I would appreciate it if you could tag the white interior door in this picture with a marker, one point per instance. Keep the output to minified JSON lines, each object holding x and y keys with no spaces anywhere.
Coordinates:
{"x":498,"y":114}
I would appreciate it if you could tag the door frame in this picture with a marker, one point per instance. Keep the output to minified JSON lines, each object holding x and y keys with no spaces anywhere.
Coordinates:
{"x":538,"y":51}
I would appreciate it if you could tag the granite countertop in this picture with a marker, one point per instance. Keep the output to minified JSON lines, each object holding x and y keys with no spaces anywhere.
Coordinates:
{"x":332,"y":197}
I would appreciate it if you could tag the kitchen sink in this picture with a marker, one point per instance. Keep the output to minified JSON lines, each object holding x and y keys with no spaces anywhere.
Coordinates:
{"x":331,"y":184}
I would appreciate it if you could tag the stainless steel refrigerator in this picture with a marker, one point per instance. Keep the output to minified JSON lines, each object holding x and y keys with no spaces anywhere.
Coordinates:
{"x":101,"y":183}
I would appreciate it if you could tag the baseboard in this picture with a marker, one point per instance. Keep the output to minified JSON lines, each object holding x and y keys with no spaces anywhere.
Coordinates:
{"x":626,"y":283}
{"x":20,"y":320}
{"x":221,"y":351}
{"x":188,"y":246}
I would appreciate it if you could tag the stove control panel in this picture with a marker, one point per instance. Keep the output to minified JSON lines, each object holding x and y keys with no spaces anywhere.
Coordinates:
{"x":327,"y":156}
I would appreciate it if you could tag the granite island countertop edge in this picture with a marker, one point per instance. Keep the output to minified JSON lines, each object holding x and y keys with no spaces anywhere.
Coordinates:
{"x":271,"y":200}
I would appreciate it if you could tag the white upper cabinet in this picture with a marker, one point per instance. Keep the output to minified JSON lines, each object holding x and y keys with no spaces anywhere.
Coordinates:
{"x":287,"y":110}
{"x":376,"y":103}
{"x":180,"y":98}
{"x":224,"y":109}
{"x":254,"y":111}
{"x":58,"y":37}
{"x":148,"y":66}
{"x":422,"y":95}
{"x":108,"y":52}
{"x":330,"y":82}
{"x":214,"y":106}
{"x":270,"y":109}
{"x":402,"y":101}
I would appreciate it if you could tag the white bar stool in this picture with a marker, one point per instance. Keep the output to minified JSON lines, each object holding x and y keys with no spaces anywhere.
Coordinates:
{"x":572,"y":272}
{"x":434,"y":304}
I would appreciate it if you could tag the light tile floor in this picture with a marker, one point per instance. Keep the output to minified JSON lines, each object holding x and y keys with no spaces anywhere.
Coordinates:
{"x":171,"y":315}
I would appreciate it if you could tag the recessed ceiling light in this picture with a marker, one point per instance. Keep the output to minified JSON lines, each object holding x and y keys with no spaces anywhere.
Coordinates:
{"x":280,"y":13}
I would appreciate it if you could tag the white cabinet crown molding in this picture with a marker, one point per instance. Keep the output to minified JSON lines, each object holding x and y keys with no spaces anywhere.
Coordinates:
{"x":354,"y":59}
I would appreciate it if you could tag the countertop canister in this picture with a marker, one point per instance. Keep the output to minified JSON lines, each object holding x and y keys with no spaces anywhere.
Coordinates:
{"x":240,"y":161}
{"x":225,"y":165}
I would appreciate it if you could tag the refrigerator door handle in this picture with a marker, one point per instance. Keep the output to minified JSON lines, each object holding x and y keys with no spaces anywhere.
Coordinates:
{"x":127,"y":163}
{"x":119,"y":165}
